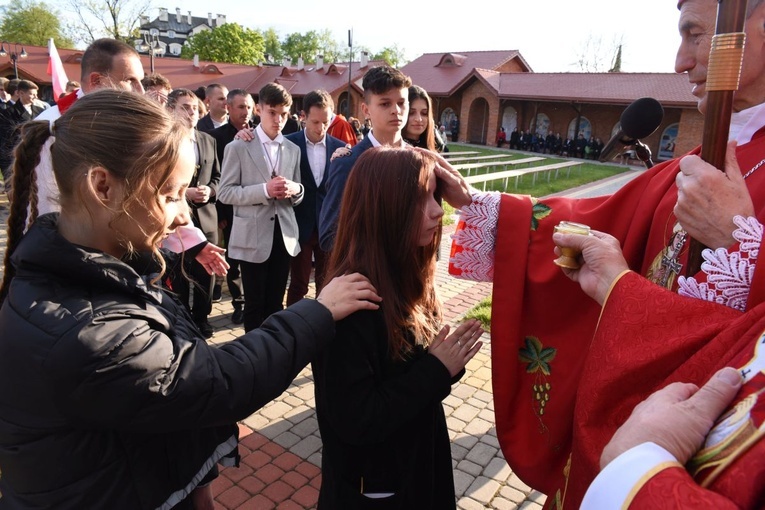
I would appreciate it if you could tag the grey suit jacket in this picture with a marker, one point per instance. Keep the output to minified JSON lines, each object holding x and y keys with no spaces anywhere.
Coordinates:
{"x":245,"y":170}
{"x":207,"y":174}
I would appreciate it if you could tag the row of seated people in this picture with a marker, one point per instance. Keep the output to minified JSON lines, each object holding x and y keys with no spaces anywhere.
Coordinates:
{"x":551,"y":144}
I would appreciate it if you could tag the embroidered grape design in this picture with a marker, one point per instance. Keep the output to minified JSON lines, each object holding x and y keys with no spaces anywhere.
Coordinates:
{"x":541,"y":395}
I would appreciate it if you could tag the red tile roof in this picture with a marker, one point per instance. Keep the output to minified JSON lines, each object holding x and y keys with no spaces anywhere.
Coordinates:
{"x":669,"y":89}
{"x":331,"y":77}
{"x":182,"y":73}
{"x":431,"y":72}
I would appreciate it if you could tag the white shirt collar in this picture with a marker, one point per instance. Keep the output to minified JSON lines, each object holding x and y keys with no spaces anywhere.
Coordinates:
{"x":323,"y":140}
{"x":744,"y":124}
{"x":376,"y":143}
{"x":263,"y":137}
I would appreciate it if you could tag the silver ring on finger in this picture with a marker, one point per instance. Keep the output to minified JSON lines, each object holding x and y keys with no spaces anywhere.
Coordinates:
{"x":459,"y":344}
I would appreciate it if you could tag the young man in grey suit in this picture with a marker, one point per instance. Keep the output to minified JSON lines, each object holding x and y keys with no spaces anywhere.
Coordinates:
{"x":261,"y":179}
{"x":200,"y":195}
{"x":316,"y":149}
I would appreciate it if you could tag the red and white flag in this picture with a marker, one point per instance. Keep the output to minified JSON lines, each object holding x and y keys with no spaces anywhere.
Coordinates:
{"x":56,"y":70}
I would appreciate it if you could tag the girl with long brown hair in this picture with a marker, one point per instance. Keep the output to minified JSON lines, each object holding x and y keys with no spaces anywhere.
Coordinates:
{"x":380,"y":384}
{"x":420,"y":128}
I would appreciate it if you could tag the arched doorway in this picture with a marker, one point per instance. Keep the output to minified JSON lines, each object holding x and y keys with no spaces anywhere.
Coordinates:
{"x":667,"y":143}
{"x":342,"y":105}
{"x":446,"y":118}
{"x":509,"y":119}
{"x":542,"y":125}
{"x":585,"y":128}
{"x":478,"y":119}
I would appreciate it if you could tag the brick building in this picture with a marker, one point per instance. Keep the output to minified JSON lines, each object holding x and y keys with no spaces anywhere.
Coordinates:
{"x":492,"y":89}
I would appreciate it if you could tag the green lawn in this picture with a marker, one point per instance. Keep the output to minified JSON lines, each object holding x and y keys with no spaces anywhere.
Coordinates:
{"x":482,"y":312}
{"x":589,"y":171}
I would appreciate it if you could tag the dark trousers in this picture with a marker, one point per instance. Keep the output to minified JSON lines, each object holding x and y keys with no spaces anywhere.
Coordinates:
{"x":300,"y":269}
{"x":200,"y":286}
{"x":264,"y":283}
{"x":233,"y":277}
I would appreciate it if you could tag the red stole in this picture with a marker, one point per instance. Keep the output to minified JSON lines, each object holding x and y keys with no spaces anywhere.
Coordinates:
{"x":542,"y":323}
{"x":66,"y":102}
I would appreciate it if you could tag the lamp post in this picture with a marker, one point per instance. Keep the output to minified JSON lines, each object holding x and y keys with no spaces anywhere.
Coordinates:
{"x":15,"y":55}
{"x":350,"y":63}
{"x":150,"y":45}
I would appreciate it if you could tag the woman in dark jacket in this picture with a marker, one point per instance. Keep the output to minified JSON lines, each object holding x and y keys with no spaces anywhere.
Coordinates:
{"x":109,"y":395}
{"x":380,"y":384}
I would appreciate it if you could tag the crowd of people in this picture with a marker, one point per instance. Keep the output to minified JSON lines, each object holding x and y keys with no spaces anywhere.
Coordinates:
{"x":128,"y":207}
{"x":550,"y":143}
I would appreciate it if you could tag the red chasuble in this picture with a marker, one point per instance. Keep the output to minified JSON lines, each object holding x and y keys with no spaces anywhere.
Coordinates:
{"x":342,"y":129}
{"x":647,"y":338}
{"x":543,"y":324}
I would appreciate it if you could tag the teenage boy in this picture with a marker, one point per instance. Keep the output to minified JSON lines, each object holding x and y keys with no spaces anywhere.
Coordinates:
{"x":200,"y":195}
{"x":261,"y":179}
{"x":316,"y":149}
{"x":386,"y":104}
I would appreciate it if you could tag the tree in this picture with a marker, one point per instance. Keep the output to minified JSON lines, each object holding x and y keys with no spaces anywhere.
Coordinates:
{"x":119,"y":19}
{"x":307,"y":45}
{"x":33,"y":23}
{"x":593,"y":54}
{"x":227,"y":43}
{"x":617,"y":67}
{"x":273,"y":46}
{"x":332,"y":50}
{"x":391,"y":54}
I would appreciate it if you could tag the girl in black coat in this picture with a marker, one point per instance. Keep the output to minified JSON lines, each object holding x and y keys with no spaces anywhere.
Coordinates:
{"x":380,"y":384}
{"x":109,"y":395}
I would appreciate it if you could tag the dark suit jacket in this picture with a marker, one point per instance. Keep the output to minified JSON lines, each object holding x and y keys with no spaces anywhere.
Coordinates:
{"x":20,"y":114}
{"x":223,"y":136}
{"x":307,"y":212}
{"x":10,"y":119}
{"x":207,"y":174}
{"x":205,"y":124}
{"x":291,"y":126}
{"x":335,"y":181}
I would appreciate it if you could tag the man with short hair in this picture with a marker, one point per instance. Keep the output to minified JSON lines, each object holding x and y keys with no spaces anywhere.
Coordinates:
{"x":22,"y":110}
{"x":4,"y":95}
{"x":106,"y":63}
{"x":201,"y":197}
{"x":316,"y":149}
{"x":25,"y":108}
{"x":217,"y":108}
{"x":386,"y":102}
{"x":240,"y":106}
{"x":566,"y":380}
{"x":157,"y":87}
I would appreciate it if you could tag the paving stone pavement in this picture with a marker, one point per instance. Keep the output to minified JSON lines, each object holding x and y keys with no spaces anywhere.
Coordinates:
{"x":281,"y":446}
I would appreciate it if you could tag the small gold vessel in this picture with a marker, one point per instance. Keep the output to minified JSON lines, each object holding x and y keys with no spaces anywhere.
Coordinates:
{"x":569,"y":255}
